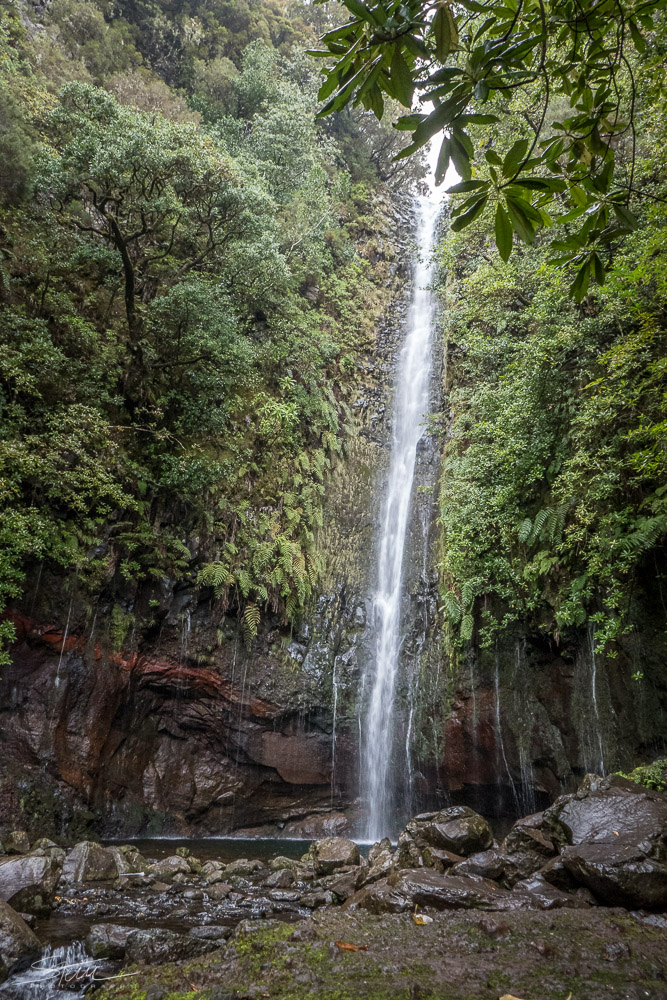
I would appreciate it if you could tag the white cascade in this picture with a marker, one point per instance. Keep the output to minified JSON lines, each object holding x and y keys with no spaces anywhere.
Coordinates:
{"x":59,"y":973}
{"x":410,"y":409}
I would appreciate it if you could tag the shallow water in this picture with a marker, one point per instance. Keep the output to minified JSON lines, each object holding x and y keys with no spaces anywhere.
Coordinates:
{"x":218,"y":848}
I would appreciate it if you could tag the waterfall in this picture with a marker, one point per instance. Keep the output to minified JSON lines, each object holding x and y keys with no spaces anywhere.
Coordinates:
{"x":410,"y":407}
{"x":594,"y":696}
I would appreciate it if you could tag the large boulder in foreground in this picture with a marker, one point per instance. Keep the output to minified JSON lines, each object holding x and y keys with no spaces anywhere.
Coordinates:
{"x":333,"y":853}
{"x":28,"y":882}
{"x":408,"y":888}
{"x":459,"y":830}
{"x":618,"y":874}
{"x":613,"y":839}
{"x":89,"y":862}
{"x":16,"y":940}
{"x":606,"y":811}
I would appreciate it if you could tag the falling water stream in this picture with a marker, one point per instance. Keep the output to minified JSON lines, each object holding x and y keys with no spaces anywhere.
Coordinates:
{"x":411,"y":406}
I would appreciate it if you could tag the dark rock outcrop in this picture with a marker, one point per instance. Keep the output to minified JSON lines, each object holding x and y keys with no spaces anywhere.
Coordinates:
{"x":28,"y":882}
{"x":108,"y":940}
{"x":440,"y":839}
{"x":17,"y":941}
{"x":408,"y":888}
{"x":159,"y":945}
{"x":619,"y":874}
{"x":613,"y":839}
{"x":89,"y":862}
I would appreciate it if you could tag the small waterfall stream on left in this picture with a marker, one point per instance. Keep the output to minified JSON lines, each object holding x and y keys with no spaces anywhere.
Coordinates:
{"x":66,"y":971}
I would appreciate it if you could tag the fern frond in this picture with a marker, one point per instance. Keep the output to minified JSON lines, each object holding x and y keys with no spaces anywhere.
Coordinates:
{"x":467,"y":626}
{"x":452,"y":607}
{"x":525,"y":530}
{"x":251,"y":620}
{"x":467,"y":594}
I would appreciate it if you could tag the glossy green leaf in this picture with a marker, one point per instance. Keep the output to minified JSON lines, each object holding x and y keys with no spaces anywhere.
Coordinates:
{"x":503,"y":231}
{"x":468,"y":217}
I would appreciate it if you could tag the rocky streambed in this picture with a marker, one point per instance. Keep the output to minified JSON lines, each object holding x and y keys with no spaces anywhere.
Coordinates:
{"x":572,"y":901}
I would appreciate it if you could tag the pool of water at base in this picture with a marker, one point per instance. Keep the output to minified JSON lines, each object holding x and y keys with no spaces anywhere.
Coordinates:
{"x":224,"y":849}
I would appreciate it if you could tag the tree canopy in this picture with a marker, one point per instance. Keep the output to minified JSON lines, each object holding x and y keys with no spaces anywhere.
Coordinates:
{"x":563,"y":71}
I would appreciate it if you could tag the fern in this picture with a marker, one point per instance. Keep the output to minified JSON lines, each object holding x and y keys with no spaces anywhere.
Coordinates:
{"x":244,"y":581}
{"x":452,"y":607}
{"x":291,"y":607}
{"x":215,"y":575}
{"x":541,"y":519}
{"x":251,"y":620}
{"x":525,"y":530}
{"x":467,"y":626}
{"x":467,"y":594}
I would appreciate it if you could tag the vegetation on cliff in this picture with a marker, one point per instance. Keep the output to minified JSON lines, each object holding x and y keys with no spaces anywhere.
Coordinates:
{"x":191,"y":259}
{"x":553,"y":498}
{"x":188,"y":260}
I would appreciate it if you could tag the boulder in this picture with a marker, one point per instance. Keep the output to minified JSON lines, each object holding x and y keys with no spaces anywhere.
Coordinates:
{"x":282,"y":862}
{"x":218,"y":891}
{"x":557,"y":874}
{"x":243,"y":867}
{"x":281,"y":879}
{"x":16,"y":842}
{"x":134,"y":858}
{"x":618,"y":874}
{"x":439,"y":859}
{"x":409,"y":888}
{"x":168,"y":867}
{"x":159,"y":945}
{"x":613,"y":839}
{"x":333,"y":853}
{"x":90,"y":862}
{"x":28,"y":882}
{"x":458,"y":829}
{"x":382,"y":848}
{"x":488,"y":864}
{"x":527,"y":835}
{"x":108,"y":940}
{"x":17,"y":941}
{"x":547,"y":897}
{"x":609,"y":810}
{"x":343,"y":883}
{"x":382,"y":864}
{"x":519,"y":865}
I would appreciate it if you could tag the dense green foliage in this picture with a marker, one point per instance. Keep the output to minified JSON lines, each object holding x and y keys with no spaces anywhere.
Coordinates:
{"x":562,"y":69}
{"x":650,"y":775}
{"x":554,"y":491}
{"x":184,"y":278}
